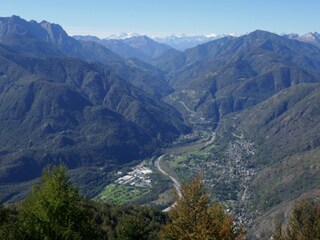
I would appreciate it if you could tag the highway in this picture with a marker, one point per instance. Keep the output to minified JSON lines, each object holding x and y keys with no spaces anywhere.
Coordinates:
{"x":176,"y":184}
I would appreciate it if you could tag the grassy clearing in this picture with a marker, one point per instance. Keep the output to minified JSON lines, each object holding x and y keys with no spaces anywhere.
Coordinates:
{"x":177,"y":162}
{"x":121,"y":194}
{"x":183,"y":162}
{"x":189,"y":158}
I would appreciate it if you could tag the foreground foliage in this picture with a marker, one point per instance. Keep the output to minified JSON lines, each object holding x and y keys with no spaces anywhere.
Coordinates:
{"x":304,"y":223}
{"x":8,"y":218}
{"x":54,"y":210}
{"x":192,"y":217}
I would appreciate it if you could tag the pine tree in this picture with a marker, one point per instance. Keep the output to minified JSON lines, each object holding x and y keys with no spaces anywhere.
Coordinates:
{"x":54,"y":211}
{"x":193,"y":219}
{"x":7,"y":223}
{"x":304,"y":223}
{"x":133,"y":227}
{"x":278,"y":233}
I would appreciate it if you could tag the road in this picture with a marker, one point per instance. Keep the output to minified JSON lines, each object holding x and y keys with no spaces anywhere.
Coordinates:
{"x":186,"y":107}
{"x":244,"y":195}
{"x":210,"y":140}
{"x":176,"y":184}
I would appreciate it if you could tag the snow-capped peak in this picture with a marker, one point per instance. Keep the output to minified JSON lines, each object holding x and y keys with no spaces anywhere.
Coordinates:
{"x":183,"y":41}
{"x":311,"y":36}
{"x":122,"y":35}
{"x":212,"y":35}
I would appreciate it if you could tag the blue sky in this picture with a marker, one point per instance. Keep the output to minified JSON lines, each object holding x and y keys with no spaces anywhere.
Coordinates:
{"x":165,"y":17}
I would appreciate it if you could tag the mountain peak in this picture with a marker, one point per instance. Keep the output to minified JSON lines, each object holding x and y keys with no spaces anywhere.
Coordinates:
{"x":182,"y":42}
{"x":259,"y":32}
{"x":16,"y":25}
{"x":122,"y":35}
{"x":261,"y":35}
{"x":291,"y":35}
{"x":311,"y":35}
{"x":139,"y":38}
{"x":47,"y":37}
{"x":53,"y":29}
{"x":16,"y":17}
{"x":87,"y":38}
{"x":313,"y":38}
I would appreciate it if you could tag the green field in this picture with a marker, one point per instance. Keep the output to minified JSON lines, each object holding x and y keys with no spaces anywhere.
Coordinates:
{"x":121,"y":194}
{"x":179,"y":162}
{"x":183,"y":162}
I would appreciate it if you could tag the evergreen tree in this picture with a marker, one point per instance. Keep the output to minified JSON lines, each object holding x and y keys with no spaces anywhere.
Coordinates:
{"x":8,"y":218}
{"x":193,"y":219}
{"x":54,"y":210}
{"x":304,"y":223}
{"x":134,"y":227}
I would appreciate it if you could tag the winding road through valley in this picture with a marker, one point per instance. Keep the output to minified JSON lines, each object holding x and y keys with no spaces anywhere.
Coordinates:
{"x":175,"y":182}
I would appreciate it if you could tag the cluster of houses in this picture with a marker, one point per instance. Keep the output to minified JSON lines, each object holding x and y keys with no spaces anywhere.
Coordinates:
{"x":140,"y":176}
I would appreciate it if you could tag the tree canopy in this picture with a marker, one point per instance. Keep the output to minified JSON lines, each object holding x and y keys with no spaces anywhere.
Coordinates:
{"x":304,"y":223}
{"x":54,"y":210}
{"x":192,"y":218}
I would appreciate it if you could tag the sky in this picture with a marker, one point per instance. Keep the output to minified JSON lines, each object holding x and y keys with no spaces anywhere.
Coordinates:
{"x":165,"y":17}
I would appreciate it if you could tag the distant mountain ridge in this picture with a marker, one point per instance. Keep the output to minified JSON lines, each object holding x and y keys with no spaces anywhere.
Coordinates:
{"x":141,"y":47}
{"x":313,"y":38}
{"x":227,"y":62}
{"x":15,"y":32}
{"x":45,"y":39}
{"x":123,"y":35}
{"x":182,"y":42}
{"x":178,"y":42}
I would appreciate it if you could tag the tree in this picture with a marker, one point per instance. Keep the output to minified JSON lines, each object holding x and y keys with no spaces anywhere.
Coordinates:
{"x":8,"y":218}
{"x":193,"y":219}
{"x":134,"y":227}
{"x":54,"y":210}
{"x":127,"y":221}
{"x":304,"y":223}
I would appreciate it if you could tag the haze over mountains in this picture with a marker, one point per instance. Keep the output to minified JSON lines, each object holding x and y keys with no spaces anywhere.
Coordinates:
{"x":182,"y":42}
{"x":98,"y":104}
{"x":179,"y":42}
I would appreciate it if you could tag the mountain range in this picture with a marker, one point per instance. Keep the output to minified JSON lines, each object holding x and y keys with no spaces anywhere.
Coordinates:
{"x":141,"y":47}
{"x":66,"y":109}
{"x":182,"y":42}
{"x":99,"y":105}
{"x":264,"y":88}
{"x":179,"y":42}
{"x":231,"y":74}
{"x":313,"y":38}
